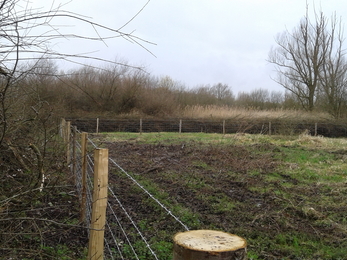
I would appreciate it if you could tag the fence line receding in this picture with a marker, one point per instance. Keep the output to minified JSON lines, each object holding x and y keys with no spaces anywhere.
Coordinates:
{"x":122,"y":232}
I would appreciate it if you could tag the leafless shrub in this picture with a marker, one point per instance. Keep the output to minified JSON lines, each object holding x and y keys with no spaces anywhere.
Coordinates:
{"x":30,"y":89}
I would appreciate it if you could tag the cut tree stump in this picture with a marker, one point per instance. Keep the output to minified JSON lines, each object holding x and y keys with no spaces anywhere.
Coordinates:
{"x":209,"y":245}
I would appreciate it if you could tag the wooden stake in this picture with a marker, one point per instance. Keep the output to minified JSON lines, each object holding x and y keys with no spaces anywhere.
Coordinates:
{"x":84,"y":176}
{"x":209,"y":245}
{"x":180,"y":127}
{"x":270,"y":128}
{"x":96,"y":237}
{"x":74,"y":163}
{"x":62,"y":128}
{"x":68,"y":140}
{"x":223,"y":127}
{"x":97,"y":125}
{"x":140,"y":126}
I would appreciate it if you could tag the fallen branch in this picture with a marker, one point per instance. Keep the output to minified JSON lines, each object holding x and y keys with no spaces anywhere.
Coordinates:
{"x":17,"y":156}
{"x":41,"y":175}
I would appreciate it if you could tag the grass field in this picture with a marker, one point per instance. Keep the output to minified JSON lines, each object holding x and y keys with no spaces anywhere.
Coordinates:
{"x":286,"y":195}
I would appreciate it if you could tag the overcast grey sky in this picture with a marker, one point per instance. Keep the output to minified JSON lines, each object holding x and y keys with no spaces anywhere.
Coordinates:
{"x":200,"y":41}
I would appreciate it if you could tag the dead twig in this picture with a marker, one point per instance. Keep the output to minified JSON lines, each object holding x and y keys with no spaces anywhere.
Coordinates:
{"x":41,"y":175}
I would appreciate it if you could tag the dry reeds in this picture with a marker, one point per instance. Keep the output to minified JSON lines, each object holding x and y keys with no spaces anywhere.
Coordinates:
{"x":226,"y":112}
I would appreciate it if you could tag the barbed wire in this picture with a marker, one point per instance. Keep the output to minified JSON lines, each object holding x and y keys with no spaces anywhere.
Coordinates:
{"x":140,"y":186}
{"x":89,"y":206}
{"x":122,"y":229}
{"x":133,"y":223}
{"x":113,"y":240}
{"x":149,"y":194}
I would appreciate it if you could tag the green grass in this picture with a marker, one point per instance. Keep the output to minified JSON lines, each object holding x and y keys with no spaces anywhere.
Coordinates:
{"x":169,"y":138}
{"x":293,"y":210}
{"x":185,"y":214}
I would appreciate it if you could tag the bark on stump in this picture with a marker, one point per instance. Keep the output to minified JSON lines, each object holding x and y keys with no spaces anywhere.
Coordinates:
{"x":209,"y":245}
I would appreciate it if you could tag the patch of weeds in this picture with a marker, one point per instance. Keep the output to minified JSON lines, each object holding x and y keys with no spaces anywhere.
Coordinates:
{"x":189,"y":218}
{"x":58,"y":252}
{"x":252,"y":255}
{"x":140,"y":248}
{"x":151,"y":187}
{"x":255,"y":173}
{"x":307,"y":247}
{"x":273,"y":177}
{"x":161,"y":249}
{"x":287,"y":184}
{"x":333,"y":175}
{"x":291,"y":155}
{"x":200,"y":164}
{"x":193,"y":181}
{"x":287,"y":240}
{"x":220,"y":203}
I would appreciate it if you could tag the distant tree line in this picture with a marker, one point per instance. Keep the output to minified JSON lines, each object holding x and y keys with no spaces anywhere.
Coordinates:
{"x":119,"y":89}
{"x":310,"y":61}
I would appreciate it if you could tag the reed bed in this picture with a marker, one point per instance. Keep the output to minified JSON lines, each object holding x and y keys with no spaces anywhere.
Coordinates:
{"x":226,"y":112}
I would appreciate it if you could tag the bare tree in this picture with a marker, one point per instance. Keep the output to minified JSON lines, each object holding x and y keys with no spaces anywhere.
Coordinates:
{"x":27,"y":67}
{"x":222,"y":91}
{"x":27,"y":35}
{"x":300,"y":57}
{"x":28,"y":125}
{"x":333,"y":76}
{"x":276,"y":97}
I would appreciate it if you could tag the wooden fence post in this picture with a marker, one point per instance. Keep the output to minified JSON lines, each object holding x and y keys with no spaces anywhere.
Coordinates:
{"x":223,"y":127}
{"x":270,"y":128}
{"x":74,"y":163}
{"x":209,"y":245}
{"x":67,"y":141}
{"x":96,"y":237}
{"x":180,"y":127}
{"x":62,"y":128}
{"x":97,"y":125}
{"x":84,"y":176}
{"x":140,"y":126}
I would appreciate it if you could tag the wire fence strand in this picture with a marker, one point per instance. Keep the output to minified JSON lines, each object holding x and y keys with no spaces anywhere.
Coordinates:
{"x":121,"y":242}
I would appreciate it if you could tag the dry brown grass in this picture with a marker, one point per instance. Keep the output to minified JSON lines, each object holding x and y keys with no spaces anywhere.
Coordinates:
{"x":225,"y":112}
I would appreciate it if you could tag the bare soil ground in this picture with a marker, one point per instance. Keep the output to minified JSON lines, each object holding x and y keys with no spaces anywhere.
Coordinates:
{"x":230,"y":188}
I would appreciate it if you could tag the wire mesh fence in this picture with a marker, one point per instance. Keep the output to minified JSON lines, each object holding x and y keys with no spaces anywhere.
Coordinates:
{"x":127,"y":232}
{"x":228,"y":126}
{"x":126,"y":236}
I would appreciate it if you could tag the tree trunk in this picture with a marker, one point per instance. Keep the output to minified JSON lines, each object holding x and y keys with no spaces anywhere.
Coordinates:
{"x":209,"y":245}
